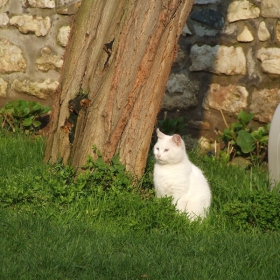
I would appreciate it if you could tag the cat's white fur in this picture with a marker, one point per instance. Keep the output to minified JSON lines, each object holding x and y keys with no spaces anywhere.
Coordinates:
{"x":176,"y":176}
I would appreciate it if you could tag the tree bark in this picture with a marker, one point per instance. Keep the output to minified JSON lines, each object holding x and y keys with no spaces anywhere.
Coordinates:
{"x":120,"y":54}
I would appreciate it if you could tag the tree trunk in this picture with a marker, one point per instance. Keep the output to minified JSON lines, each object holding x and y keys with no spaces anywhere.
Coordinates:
{"x":119,"y":56}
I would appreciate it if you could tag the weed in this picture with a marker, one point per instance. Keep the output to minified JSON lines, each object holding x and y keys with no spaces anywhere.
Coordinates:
{"x":256,"y":210}
{"x":242,"y":140}
{"x":106,"y":175}
{"x":22,"y":116}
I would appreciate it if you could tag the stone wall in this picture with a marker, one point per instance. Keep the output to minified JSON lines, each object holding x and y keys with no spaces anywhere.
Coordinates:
{"x":228,"y":58}
{"x":33,"y":36}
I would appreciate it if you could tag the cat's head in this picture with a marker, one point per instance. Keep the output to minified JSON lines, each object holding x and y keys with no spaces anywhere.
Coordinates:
{"x":169,"y":149}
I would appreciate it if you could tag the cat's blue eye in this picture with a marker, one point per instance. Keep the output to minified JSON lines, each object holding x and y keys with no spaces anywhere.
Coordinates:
{"x":166,"y":150}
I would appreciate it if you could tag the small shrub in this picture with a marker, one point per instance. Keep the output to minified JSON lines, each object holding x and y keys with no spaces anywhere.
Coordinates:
{"x":106,"y":175}
{"x":242,"y":140}
{"x":21,"y":115}
{"x":258,"y":209}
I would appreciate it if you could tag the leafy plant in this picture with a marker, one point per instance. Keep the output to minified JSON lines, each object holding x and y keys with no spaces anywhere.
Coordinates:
{"x":21,"y":115}
{"x":242,"y":140}
{"x":171,"y":126}
{"x":106,"y":175}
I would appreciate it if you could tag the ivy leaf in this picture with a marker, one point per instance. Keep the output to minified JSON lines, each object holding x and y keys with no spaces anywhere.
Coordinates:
{"x":245,"y":141}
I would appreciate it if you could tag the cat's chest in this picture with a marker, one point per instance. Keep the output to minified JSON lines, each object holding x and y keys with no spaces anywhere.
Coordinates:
{"x":169,"y":180}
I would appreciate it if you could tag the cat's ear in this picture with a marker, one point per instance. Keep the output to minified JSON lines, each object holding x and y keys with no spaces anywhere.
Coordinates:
{"x":160,"y":135}
{"x":177,"y":139}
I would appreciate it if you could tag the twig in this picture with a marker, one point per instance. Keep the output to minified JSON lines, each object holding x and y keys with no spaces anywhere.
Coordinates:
{"x":224,"y":118}
{"x":8,"y":121}
{"x":217,"y":131}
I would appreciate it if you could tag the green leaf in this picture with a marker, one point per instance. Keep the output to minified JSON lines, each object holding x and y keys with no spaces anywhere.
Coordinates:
{"x":237,"y":126}
{"x":22,"y":103}
{"x":36,"y":123}
{"x":258,"y":134}
{"x":224,"y":156}
{"x":45,"y":109}
{"x":27,"y":121}
{"x":25,"y":111}
{"x":245,"y":141}
{"x":35,"y":107}
{"x":264,"y":139}
{"x":244,"y":118}
{"x":115,"y":160}
{"x":171,"y":126}
{"x":228,"y":134}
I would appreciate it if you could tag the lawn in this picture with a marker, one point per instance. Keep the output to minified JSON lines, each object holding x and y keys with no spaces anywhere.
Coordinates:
{"x":53,"y":226}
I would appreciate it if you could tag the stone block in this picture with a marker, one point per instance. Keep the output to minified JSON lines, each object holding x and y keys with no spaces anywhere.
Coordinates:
{"x":264,"y":103}
{"x":3,"y":88}
{"x":40,"y":90}
{"x":245,"y":35}
{"x":63,"y":35}
{"x":11,"y":58}
{"x":41,"y":3}
{"x":263,"y":33}
{"x":202,"y":30}
{"x":209,"y":17}
{"x":270,"y":8}
{"x":239,"y":10}
{"x":3,"y":3}
{"x":231,"y":98}
{"x":270,"y":58}
{"x":4,"y":19}
{"x":180,"y":92}
{"x":218,"y":59}
{"x":35,"y":24}
{"x":48,"y":60}
{"x":69,"y":9}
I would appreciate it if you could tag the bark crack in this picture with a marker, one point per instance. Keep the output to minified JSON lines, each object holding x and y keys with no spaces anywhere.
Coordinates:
{"x":108,"y":49}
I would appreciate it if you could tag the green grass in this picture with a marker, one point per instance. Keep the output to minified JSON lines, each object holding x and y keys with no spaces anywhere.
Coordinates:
{"x":42,"y":246}
{"x":53,"y":227}
{"x":19,"y":153}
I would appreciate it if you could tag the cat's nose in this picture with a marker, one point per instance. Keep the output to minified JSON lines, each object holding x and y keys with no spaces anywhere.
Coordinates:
{"x":158,"y":155}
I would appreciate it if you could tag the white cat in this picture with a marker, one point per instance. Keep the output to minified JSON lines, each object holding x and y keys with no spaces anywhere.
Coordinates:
{"x":176,"y":176}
